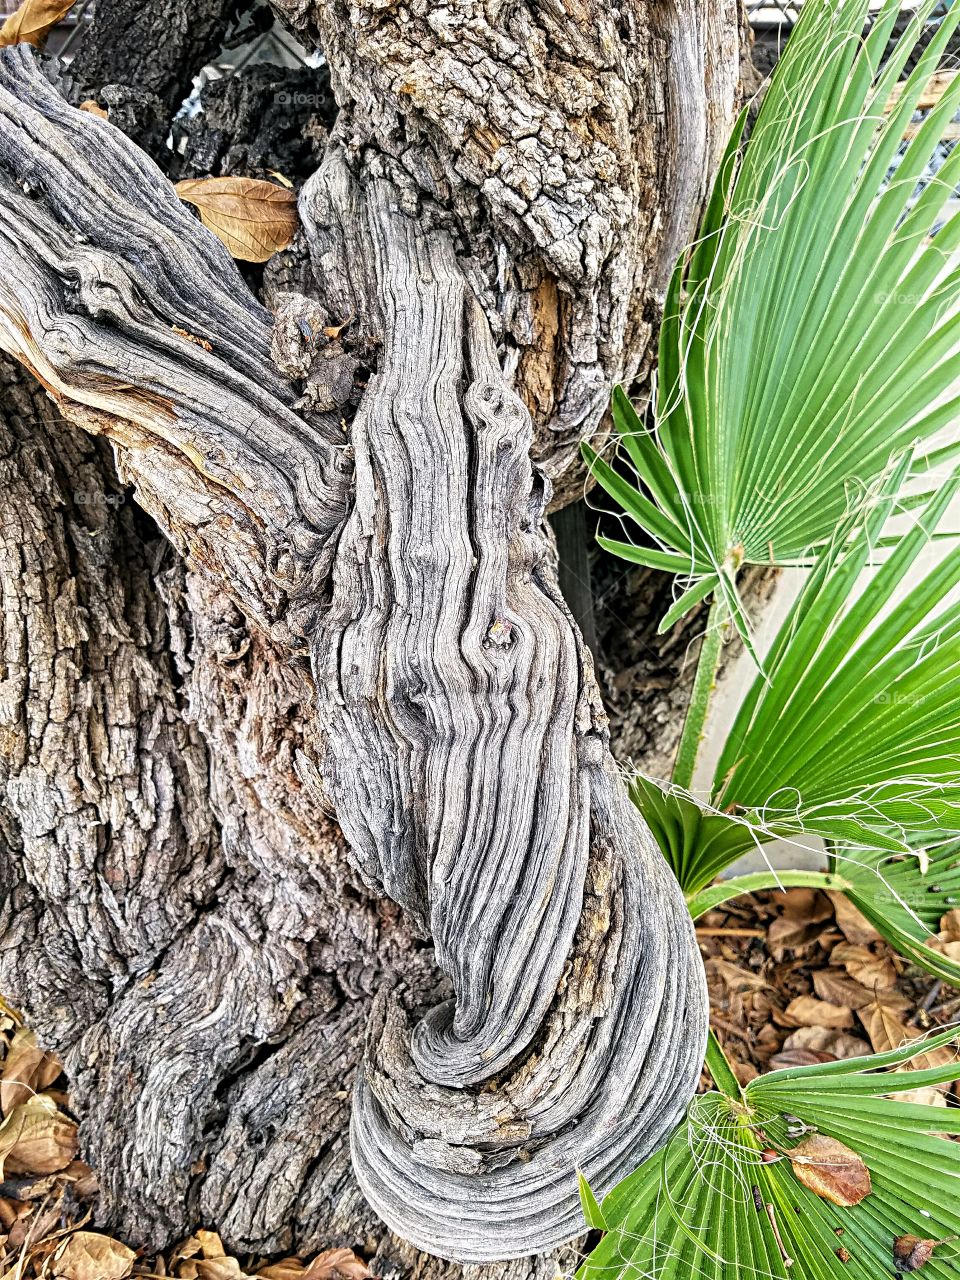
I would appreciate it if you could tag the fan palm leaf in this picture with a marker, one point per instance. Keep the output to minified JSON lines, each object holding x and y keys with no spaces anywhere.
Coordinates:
{"x":810,"y":332}
{"x":721,"y":1199}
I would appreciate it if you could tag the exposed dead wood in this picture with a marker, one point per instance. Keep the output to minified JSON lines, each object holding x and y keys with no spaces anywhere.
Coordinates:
{"x":94,"y":301}
{"x":545,"y":138}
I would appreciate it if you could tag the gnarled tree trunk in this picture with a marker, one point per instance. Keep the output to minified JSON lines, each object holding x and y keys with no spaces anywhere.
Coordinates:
{"x":352,"y":611}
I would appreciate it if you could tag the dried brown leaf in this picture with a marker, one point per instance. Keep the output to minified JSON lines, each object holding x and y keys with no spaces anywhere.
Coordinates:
{"x":950,"y":926}
{"x":12,"y":1210}
{"x":887,"y":1030}
{"x":222,"y":1268}
{"x":949,"y":949}
{"x":810,"y":1045}
{"x":83,"y":1180}
{"x":734,"y":976}
{"x":871,"y":971}
{"x":32,"y":22}
{"x":804,"y":904}
{"x":88,"y":1255}
{"x":253,"y":218}
{"x":211,"y":1246}
{"x":285,"y":1269}
{"x":853,"y":924}
{"x":41,"y":1230}
{"x":9,"y":1015}
{"x":911,"y":1252}
{"x":802,"y":913}
{"x":807,"y":1011}
{"x":337,"y":1262}
{"x":37,"y":1138}
{"x":90,"y":105}
{"x":26,"y":1070}
{"x":830,"y":1170}
{"x":188,"y":1248}
{"x":837,"y":987}
{"x":798,"y":1057}
{"x":928,"y":1096}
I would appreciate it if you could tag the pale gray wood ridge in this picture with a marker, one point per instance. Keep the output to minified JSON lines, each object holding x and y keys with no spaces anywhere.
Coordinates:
{"x":387,"y":587}
{"x":479,"y":791}
{"x":566,"y":144}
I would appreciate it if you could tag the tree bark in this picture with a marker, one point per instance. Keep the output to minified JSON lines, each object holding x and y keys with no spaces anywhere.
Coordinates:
{"x":367,"y":623}
{"x":180,"y":35}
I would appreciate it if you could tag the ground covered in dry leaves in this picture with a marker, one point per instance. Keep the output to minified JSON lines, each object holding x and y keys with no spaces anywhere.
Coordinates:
{"x":795,"y":978}
{"x":801,"y":977}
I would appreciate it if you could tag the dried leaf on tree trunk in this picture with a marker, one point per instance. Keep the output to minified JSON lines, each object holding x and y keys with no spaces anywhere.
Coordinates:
{"x":253,"y":218}
{"x":830,"y":1170}
{"x":32,"y":22}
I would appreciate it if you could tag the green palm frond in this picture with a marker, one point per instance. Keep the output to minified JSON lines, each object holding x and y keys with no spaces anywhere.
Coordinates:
{"x":905,"y":897}
{"x":697,"y":1209}
{"x":854,"y":732}
{"x":697,"y":844}
{"x":809,"y":333}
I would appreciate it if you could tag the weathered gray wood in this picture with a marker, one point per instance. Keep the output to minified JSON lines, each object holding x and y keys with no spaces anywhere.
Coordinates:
{"x":92,"y":302}
{"x":464,"y":745}
{"x":177,"y":914}
{"x":566,"y":146}
{"x":480,"y":792}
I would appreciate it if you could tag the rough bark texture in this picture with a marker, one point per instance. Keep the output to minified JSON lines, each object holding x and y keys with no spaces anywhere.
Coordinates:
{"x":181,"y":36}
{"x":208,"y":984}
{"x":370,"y":618}
{"x":565,"y":146}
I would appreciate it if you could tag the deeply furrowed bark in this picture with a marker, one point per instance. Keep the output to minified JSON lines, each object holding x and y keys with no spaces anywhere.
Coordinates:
{"x":464,"y":749}
{"x":565,"y":146}
{"x":176,"y":913}
{"x":181,"y":35}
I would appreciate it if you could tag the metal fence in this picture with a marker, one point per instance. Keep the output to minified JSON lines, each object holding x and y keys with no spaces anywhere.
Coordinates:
{"x":771,"y":20}
{"x":779,"y":13}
